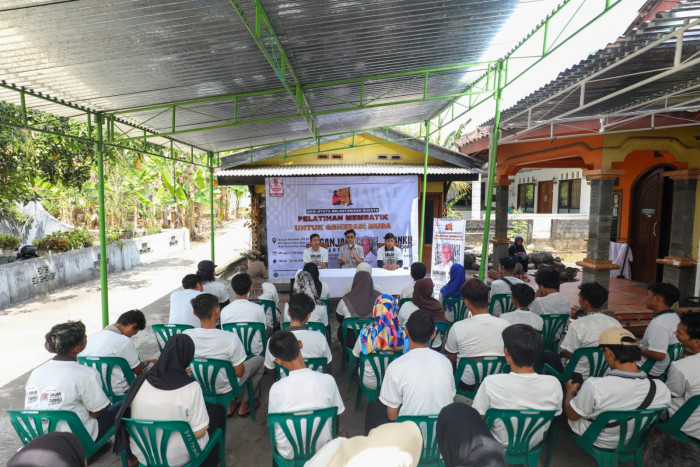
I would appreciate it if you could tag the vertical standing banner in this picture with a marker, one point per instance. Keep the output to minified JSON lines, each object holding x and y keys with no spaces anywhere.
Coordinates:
{"x":448,"y":249}
{"x":328,"y":206}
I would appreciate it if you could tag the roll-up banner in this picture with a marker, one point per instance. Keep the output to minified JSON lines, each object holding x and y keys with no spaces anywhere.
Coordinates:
{"x":448,"y":249}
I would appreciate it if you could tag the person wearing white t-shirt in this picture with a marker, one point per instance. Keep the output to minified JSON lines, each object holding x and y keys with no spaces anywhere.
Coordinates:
{"x":390,"y":256}
{"x":316,"y":253}
{"x":522,"y":296}
{"x":502,"y":286}
{"x":418,"y":383}
{"x":64,"y":384}
{"x":303,"y":389}
{"x":205,"y":272}
{"x":243,"y":311}
{"x":418,"y":271}
{"x":522,"y":388}
{"x":661,"y":332}
{"x":478,"y":336}
{"x":210,"y":342}
{"x":115,"y":341}
{"x":180,"y":301}
{"x":684,"y":375}
{"x":548,"y":299}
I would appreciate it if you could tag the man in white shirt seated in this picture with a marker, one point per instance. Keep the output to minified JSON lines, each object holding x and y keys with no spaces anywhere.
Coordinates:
{"x":390,"y":256}
{"x":522,"y":388}
{"x":548,"y":299}
{"x":624,"y":388}
{"x":241,"y":310}
{"x":478,"y":336}
{"x":418,"y":271}
{"x":522,"y":297}
{"x":417,"y":383}
{"x":661,"y":332}
{"x":210,"y":342}
{"x":502,"y":286}
{"x":684,"y":375}
{"x":115,"y":341}
{"x":303,"y":389}
{"x":313,"y":344}
{"x":316,"y":253}
{"x":180,"y":306}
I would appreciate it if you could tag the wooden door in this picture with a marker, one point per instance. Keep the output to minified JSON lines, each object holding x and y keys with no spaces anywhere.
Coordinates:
{"x":433,"y":209}
{"x":544,"y":197}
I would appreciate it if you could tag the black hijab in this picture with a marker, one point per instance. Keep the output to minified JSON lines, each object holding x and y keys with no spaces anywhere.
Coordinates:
{"x":168,"y":374}
{"x":57,"y":449}
{"x":464,"y":439}
{"x":312,"y":269}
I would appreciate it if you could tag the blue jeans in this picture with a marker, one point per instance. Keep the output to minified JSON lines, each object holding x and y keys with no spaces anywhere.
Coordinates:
{"x":106,"y":419}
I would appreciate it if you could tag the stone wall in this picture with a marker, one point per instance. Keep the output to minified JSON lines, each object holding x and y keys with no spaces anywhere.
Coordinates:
{"x":474,"y":230}
{"x":569,"y":229}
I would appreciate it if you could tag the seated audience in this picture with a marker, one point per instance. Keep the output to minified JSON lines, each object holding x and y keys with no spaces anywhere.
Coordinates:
{"x":520,"y":252}
{"x":522,"y":296}
{"x":464,"y":439}
{"x":522,"y":388}
{"x":453,"y":288}
{"x":389,"y":256}
{"x":418,"y":383}
{"x":64,"y":384}
{"x":241,"y":310}
{"x":505,"y":282}
{"x":548,"y":299}
{"x":422,"y":300}
{"x":418,"y":271}
{"x":316,"y":254}
{"x":261,"y":290}
{"x":52,"y":449}
{"x":205,"y":272}
{"x":385,"y":334}
{"x":357,"y":303}
{"x":180,"y":306}
{"x":115,"y":341}
{"x":166,"y":392}
{"x":322,"y":288}
{"x":303,"y":389}
{"x":684,"y":375}
{"x":661,"y":331}
{"x":478,"y":336}
{"x":210,"y":342}
{"x":624,"y":388}
{"x":304,"y":283}
{"x":362,"y":267}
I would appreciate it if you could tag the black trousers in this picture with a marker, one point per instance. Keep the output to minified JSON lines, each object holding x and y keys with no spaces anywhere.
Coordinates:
{"x":217,"y":419}
{"x":375,"y":415}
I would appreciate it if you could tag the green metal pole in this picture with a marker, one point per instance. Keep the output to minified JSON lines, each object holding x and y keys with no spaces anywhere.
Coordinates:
{"x":211,"y":203}
{"x":492,"y":172}
{"x":103,"y":241}
{"x":425,"y":189}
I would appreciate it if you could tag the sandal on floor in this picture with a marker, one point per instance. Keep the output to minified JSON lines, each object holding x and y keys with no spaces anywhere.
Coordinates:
{"x":256,"y":404}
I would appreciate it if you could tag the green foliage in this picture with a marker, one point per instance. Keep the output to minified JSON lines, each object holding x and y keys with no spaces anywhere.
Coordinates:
{"x":65,"y":241}
{"x":9,"y":242}
{"x":518,"y":227}
{"x":113,"y":236}
{"x":153,"y":230}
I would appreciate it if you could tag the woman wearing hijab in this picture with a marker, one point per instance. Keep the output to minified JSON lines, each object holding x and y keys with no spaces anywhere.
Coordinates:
{"x":453,"y":288}
{"x":57,"y":449}
{"x":304,"y":283}
{"x":464,"y":440}
{"x":422,"y":300}
{"x":357,"y":303}
{"x":322,"y":288}
{"x":384,"y":335}
{"x":167,"y":392}
{"x":520,"y":252}
{"x":261,"y":290}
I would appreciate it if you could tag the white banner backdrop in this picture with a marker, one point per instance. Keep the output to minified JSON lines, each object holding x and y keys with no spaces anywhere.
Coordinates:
{"x":448,"y":249}
{"x":300,"y":206}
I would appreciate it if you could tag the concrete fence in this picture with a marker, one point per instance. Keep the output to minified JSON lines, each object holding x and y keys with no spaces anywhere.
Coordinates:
{"x":474,"y":230}
{"x":32,"y":278}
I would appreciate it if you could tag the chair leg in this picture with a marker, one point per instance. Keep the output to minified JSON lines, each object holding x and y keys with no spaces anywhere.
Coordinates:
{"x":358,"y":398}
{"x":222,"y":452}
{"x":251,"y":400}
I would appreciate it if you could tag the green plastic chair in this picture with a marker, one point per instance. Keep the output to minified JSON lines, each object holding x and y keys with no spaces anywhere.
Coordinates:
{"x":481,"y":369}
{"x":166,"y":331}
{"x":630,"y":443}
{"x":404,"y":300}
{"x":378,"y":363}
{"x":457,"y":306}
{"x":441,"y":330}
{"x":521,"y":426}
{"x":206,"y":370}
{"x":327,"y":303}
{"x":356,"y":325}
{"x":28,"y":425}
{"x":105,"y":367}
{"x":504,"y":302}
{"x":246,"y":333}
{"x":152,"y":438}
{"x":675,"y":423}
{"x":430,"y":454}
{"x":596,"y":364}
{"x":303,"y":435}
{"x":551,"y":328}
{"x":269,"y":305}
{"x":310,"y":325}
{"x":674,"y":351}
{"x":319,"y":364}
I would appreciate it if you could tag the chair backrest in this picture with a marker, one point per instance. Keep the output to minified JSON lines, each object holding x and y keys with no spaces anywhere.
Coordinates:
{"x":30,"y":424}
{"x":593,"y":356}
{"x":246,"y":333}
{"x":504,"y":301}
{"x":152,"y":438}
{"x":206,"y":371}
{"x":355,"y":324}
{"x":441,"y":330}
{"x":378,"y":363}
{"x":164,"y":332}
{"x":675,"y":351}
{"x":319,"y":364}
{"x":269,"y":305}
{"x":634,"y":425}
{"x":305,"y":429}
{"x":310,"y":325}
{"x":678,"y":419}
{"x":105,"y":366}
{"x":426,"y":423}
{"x":457,"y":306}
{"x":404,"y":300}
{"x":551,"y":327}
{"x":521,"y":426}
{"x":481,"y":369}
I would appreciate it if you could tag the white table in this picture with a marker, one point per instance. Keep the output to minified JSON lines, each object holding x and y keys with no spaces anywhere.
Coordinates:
{"x":390,"y":282}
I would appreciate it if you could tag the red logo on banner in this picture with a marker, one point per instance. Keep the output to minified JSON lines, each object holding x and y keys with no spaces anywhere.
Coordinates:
{"x":276,"y":187}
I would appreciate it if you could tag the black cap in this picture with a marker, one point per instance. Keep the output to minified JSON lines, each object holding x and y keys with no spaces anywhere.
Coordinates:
{"x":206,"y":265}
{"x":389,"y":235}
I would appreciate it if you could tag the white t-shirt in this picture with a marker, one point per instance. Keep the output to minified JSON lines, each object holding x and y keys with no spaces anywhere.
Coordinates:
{"x":420,"y":382}
{"x":369,"y":379}
{"x":108,"y":343}
{"x":244,"y":311}
{"x":684,"y":383}
{"x":500,"y":287}
{"x":660,"y":333}
{"x":524,"y":317}
{"x":314,"y":343}
{"x":186,"y":403}
{"x":405,"y":312}
{"x":325,"y":290}
{"x":216,"y":288}
{"x":407,"y":292}
{"x":67,"y":385}
{"x":181,"y":308}
{"x":389,"y":257}
{"x":478,"y":336}
{"x":319,"y":315}
{"x":553,"y":304}
{"x":585,"y":332}
{"x":221,"y":345}
{"x":303,"y":389}
{"x":619,"y":390}
{"x":518,"y":391}
{"x":319,"y":257}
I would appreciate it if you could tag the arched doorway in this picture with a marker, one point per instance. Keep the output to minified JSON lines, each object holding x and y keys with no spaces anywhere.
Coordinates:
{"x":650,"y":222}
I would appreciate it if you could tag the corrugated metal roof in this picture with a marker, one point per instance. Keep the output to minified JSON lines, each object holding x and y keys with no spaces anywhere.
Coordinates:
{"x":342,"y":169}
